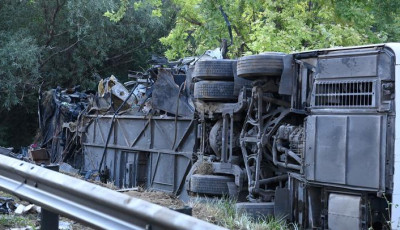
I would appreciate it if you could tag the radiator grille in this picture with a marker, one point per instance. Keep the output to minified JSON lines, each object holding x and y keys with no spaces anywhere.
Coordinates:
{"x":345,"y":94}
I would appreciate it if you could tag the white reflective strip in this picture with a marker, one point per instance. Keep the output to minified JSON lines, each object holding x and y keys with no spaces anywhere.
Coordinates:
{"x":395,"y":209}
{"x":396,"y":49}
{"x":395,"y":219}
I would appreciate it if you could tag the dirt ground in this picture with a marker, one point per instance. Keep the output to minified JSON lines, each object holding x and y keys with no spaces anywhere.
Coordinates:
{"x":31,"y":220}
{"x":217,"y":211}
{"x":159,"y":198}
{"x":200,"y":210}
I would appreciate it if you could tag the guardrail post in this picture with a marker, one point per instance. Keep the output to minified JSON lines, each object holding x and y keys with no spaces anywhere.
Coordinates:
{"x":49,"y":219}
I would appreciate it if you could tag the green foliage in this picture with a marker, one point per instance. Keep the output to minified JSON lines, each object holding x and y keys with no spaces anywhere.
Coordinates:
{"x":19,"y":66}
{"x":151,"y":4}
{"x":70,"y":42}
{"x":12,"y":221}
{"x":281,"y":25}
{"x":66,"y":42}
{"x":117,"y":16}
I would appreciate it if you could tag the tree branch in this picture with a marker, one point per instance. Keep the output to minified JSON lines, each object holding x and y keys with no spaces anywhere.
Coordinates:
{"x":124,"y":54}
{"x":193,"y":21}
{"x":58,"y":52}
{"x":51,"y":30}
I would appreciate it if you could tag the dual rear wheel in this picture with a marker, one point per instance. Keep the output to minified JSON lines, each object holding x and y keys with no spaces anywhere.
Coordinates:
{"x":221,"y":80}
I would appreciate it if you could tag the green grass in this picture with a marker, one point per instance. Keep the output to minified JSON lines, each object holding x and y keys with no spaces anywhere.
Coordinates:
{"x":222,"y":212}
{"x":17,"y":221}
{"x":13,"y":221}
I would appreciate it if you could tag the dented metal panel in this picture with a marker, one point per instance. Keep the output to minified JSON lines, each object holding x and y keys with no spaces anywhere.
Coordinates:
{"x":142,"y":151}
{"x":346,"y":149}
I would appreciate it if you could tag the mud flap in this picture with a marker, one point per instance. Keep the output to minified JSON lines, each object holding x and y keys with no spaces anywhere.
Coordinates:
{"x":282,"y":205}
{"x":344,"y":212}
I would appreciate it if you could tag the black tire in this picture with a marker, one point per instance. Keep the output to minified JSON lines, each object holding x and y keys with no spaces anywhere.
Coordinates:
{"x":220,"y":69}
{"x":262,"y":65}
{"x":210,"y":184}
{"x":240,"y":82}
{"x":189,"y":81}
{"x":215,"y":137}
{"x":214,"y":90}
{"x":256,"y":210}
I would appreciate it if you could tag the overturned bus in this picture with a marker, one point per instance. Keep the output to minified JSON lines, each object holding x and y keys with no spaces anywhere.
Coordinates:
{"x":311,"y":137}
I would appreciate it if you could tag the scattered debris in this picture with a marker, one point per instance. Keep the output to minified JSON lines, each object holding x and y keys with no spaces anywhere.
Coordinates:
{"x":128,"y":189}
{"x":57,"y":107}
{"x":6,"y":205}
{"x":9,"y":152}
{"x":68,"y":169}
{"x":118,"y":91}
{"x":39,"y":156}
{"x":6,"y":151}
{"x":64,"y":225}
{"x":20,"y":209}
{"x":23,"y":228}
{"x":31,"y":208}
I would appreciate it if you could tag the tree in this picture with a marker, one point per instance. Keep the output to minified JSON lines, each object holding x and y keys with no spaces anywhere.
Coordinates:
{"x":281,"y":25}
{"x":66,"y":43}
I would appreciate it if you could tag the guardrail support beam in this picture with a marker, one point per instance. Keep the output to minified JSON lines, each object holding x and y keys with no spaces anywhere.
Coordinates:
{"x":49,"y":219}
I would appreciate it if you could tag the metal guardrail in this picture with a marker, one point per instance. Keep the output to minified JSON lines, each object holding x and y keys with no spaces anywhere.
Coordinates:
{"x":90,"y":204}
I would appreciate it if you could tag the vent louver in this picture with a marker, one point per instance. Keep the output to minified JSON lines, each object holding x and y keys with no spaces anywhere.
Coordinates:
{"x":345,"y":94}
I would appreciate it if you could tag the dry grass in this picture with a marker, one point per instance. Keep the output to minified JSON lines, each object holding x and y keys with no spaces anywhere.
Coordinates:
{"x":205,"y":168}
{"x":220,"y":212}
{"x":109,"y":184}
{"x":160,"y":198}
